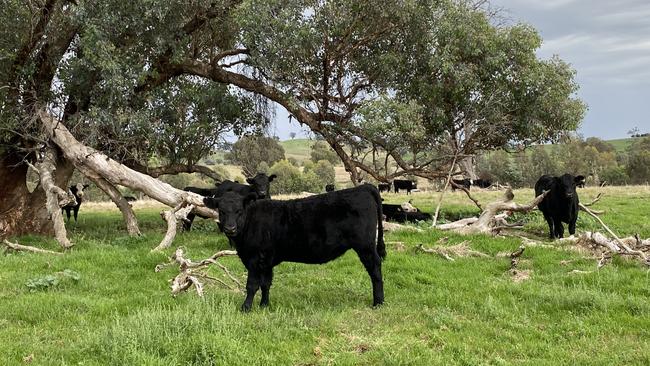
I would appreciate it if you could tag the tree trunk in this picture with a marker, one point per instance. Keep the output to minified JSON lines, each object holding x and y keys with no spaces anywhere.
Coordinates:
{"x":467,"y":164}
{"x":23,"y":212}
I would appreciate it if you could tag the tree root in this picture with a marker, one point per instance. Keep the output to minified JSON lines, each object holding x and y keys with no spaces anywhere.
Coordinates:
{"x":191,"y":273}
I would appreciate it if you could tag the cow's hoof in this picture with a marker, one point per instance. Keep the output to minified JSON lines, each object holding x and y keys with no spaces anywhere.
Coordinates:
{"x":264,"y":304}
{"x":377,"y":305}
{"x":245,"y":308}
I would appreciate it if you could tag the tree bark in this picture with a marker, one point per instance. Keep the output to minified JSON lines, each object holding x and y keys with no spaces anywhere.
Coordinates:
{"x":21,"y":211}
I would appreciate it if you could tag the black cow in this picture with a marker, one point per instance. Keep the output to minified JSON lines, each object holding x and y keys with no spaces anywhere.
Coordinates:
{"x":260,"y":184}
{"x":465,"y":183}
{"x":78,"y":191}
{"x":581,"y":182}
{"x":315,"y":230}
{"x":130,"y":198}
{"x":408,"y":185}
{"x":560,"y":204}
{"x":397,"y":213}
{"x":329,"y":188}
{"x":482,"y":183}
{"x":384,"y":187}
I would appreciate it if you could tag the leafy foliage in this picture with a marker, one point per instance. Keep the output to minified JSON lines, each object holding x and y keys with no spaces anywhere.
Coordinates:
{"x":53,"y":280}
{"x":251,"y":151}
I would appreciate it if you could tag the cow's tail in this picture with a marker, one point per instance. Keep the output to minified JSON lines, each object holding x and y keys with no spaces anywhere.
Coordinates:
{"x":381,"y":246}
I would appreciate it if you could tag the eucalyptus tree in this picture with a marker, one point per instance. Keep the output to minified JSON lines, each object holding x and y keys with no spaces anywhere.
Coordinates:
{"x":103,"y":85}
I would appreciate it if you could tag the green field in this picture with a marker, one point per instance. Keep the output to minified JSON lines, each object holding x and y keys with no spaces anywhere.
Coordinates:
{"x":468,"y":312}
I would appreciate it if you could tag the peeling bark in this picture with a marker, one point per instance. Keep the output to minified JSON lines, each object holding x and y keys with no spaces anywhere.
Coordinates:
{"x":56,"y":197}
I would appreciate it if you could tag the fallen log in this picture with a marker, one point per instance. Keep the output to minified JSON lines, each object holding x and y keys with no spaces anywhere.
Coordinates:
{"x":24,"y":248}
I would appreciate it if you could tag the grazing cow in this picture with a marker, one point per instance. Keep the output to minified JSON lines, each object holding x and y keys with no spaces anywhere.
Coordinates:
{"x":384,"y":187}
{"x":397,"y":213}
{"x":130,"y":198}
{"x":78,"y":191}
{"x":482,"y":183}
{"x":560,"y":204}
{"x":260,"y":184}
{"x":313,"y":230}
{"x":581,"y":182}
{"x":329,"y":188}
{"x":408,"y":185}
{"x":465,"y":183}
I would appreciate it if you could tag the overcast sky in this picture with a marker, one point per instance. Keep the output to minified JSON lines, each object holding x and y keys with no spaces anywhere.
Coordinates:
{"x":607,"y":42}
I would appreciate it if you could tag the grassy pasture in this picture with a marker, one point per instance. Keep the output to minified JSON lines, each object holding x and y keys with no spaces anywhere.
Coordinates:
{"x":119,"y":312}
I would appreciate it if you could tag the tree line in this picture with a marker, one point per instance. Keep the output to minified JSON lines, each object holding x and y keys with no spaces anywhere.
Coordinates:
{"x":594,"y":158}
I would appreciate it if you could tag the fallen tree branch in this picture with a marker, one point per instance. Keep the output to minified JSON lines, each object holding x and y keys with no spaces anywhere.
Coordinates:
{"x":172,"y":217}
{"x":618,"y":240}
{"x":459,"y":250}
{"x":190,"y":272}
{"x":490,"y":222}
{"x":469,"y":195}
{"x":17,"y":247}
{"x":598,"y":197}
{"x":391,"y":226}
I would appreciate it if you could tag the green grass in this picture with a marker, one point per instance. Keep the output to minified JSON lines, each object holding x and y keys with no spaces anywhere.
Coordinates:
{"x":468,"y":312}
{"x":621,"y":145}
{"x":299,"y":149}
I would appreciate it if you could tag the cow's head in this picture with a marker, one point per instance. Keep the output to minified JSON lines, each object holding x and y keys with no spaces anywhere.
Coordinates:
{"x":79,"y":189}
{"x":261,"y":184}
{"x":569,"y":182}
{"x":232,"y":211}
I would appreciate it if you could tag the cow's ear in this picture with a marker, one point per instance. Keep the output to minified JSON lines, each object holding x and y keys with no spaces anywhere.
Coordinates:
{"x":211,"y":202}
{"x":271,"y":177}
{"x":250,"y":180}
{"x":579,"y":179}
{"x":250,"y":198}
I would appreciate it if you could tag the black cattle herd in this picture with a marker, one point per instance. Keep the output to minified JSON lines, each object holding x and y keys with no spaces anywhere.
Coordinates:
{"x":321,"y":228}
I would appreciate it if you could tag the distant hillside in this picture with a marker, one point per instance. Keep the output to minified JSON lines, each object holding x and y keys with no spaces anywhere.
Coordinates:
{"x":298,"y":149}
{"x":622,"y":144}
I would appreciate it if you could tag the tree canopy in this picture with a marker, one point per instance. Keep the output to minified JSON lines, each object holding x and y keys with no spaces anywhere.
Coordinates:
{"x":394,"y":87}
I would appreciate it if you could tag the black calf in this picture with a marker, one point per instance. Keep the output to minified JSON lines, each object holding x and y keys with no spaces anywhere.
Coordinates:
{"x":315,"y":230}
{"x":78,"y":192}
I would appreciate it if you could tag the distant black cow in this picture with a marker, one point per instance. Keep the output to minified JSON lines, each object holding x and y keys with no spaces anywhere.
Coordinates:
{"x":560,"y":204}
{"x":384,"y":187}
{"x":408,"y":185}
{"x":260,"y":184}
{"x":130,"y":198}
{"x":581,"y":182}
{"x":396,"y":213}
{"x":465,"y":183}
{"x":78,"y":192}
{"x":329,"y":188}
{"x":315,"y":230}
{"x":482,"y":183}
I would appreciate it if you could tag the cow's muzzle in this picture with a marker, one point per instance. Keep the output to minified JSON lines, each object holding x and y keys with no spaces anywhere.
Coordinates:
{"x":230,"y":230}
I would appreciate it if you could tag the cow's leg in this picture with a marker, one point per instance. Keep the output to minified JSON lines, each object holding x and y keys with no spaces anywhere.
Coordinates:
{"x":187,"y":224}
{"x":265,"y":283}
{"x":551,"y":226}
{"x":559,"y":228}
{"x":572,"y":225}
{"x":67,"y":211}
{"x":370,"y":259}
{"x":76,"y":211}
{"x":252,"y":285}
